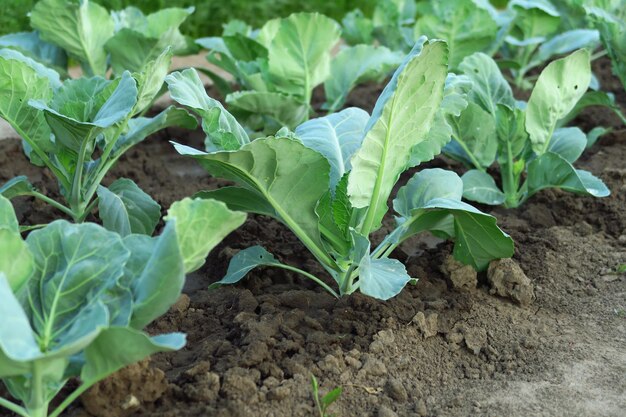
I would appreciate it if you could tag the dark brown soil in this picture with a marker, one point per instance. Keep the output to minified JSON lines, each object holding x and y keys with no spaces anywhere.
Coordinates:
{"x":431,"y":351}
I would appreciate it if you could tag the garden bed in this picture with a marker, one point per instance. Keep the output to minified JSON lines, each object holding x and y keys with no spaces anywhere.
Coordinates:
{"x":432,"y":350}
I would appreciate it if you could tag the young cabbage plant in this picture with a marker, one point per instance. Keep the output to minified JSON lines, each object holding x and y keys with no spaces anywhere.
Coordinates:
{"x":390,"y":25}
{"x":330,"y":180}
{"x":526,"y":140}
{"x":278,"y":66}
{"x":78,"y":129}
{"x":125,"y":40}
{"x":75,"y":298}
{"x":534,"y":38}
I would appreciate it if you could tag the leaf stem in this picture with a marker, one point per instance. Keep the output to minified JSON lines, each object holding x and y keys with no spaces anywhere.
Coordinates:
{"x":307,"y":275}
{"x":71,"y":398}
{"x":21,"y":411}
{"x":53,"y":203}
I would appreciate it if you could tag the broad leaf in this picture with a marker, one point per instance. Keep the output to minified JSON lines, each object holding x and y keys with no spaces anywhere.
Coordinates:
{"x":382,"y":278}
{"x":480,"y":187}
{"x":564,"y":43}
{"x":125,"y":208}
{"x":17,"y":340}
{"x":20,"y":83}
{"x":286,"y":110}
{"x":277,"y":170}
{"x":200,"y":226}
{"x":8,"y":220}
{"x":401,"y":119}
{"x":82,"y":260}
{"x":431,"y":197}
{"x":569,"y":142}
{"x":561,"y":84}
{"x":355,"y":65}
{"x":613,"y":34}
{"x":219,"y":125}
{"x":245,"y":261}
{"x":31,"y":45}
{"x":16,"y":261}
{"x":466,"y":27}
{"x":16,"y":187}
{"x":299,"y":53}
{"x":336,"y":136}
{"x":489,"y":87}
{"x":475,"y":132}
{"x":52,"y":76}
{"x":117,"y":347}
{"x":553,"y":171}
{"x":83,"y":108}
{"x":81,"y":28}
{"x":150,"y":79}
{"x":154,"y":273}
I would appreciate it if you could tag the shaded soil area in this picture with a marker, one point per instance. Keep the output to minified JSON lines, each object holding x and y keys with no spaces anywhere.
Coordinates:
{"x":437,"y":349}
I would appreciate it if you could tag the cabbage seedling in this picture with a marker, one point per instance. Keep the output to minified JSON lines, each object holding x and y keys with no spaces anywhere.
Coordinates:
{"x":329,"y":181}
{"x":75,"y":298}
{"x":527,"y":141}
{"x":78,"y":129}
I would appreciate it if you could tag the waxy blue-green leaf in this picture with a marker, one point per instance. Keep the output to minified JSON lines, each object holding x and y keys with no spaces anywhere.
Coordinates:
{"x":431,"y":196}
{"x":16,"y":186}
{"x":150,"y":79}
{"x":594,"y":98}
{"x":569,"y":142}
{"x":125,"y":208}
{"x":243,"y":48}
{"x":336,"y":136}
{"x":20,"y":83}
{"x":8,"y":220}
{"x":613,"y":35}
{"x":453,"y":103}
{"x":245,"y":261}
{"x":16,"y":261}
{"x":561,"y":84}
{"x":489,"y":87}
{"x":155,"y":274}
{"x":551,"y":170}
{"x":355,"y":65}
{"x":511,"y":133}
{"x":382,"y":278}
{"x":299,"y":52}
{"x":401,"y":119}
{"x":475,"y":133}
{"x":240,"y":199}
{"x":81,"y":28}
{"x":53,"y":77}
{"x":145,"y":38}
{"x":84,"y":260}
{"x":200,"y":225}
{"x":17,"y":339}
{"x":83,"y":108}
{"x":356,"y":28}
{"x":277,"y":169}
{"x":466,"y":27}
{"x":117,"y":347}
{"x":286,"y":110}
{"x":187,"y":89}
{"x":480,"y":187}
{"x":31,"y":45}
{"x":564,"y":43}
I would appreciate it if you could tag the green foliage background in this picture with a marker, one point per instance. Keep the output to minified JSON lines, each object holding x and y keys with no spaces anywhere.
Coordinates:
{"x":209,"y":15}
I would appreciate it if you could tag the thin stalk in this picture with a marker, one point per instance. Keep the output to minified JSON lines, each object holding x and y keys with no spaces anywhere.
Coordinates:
{"x":21,"y":411}
{"x":53,"y":203}
{"x":88,"y":210}
{"x":309,"y":276}
{"x":598,"y":55}
{"x":71,"y":398}
{"x":509,"y":182}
